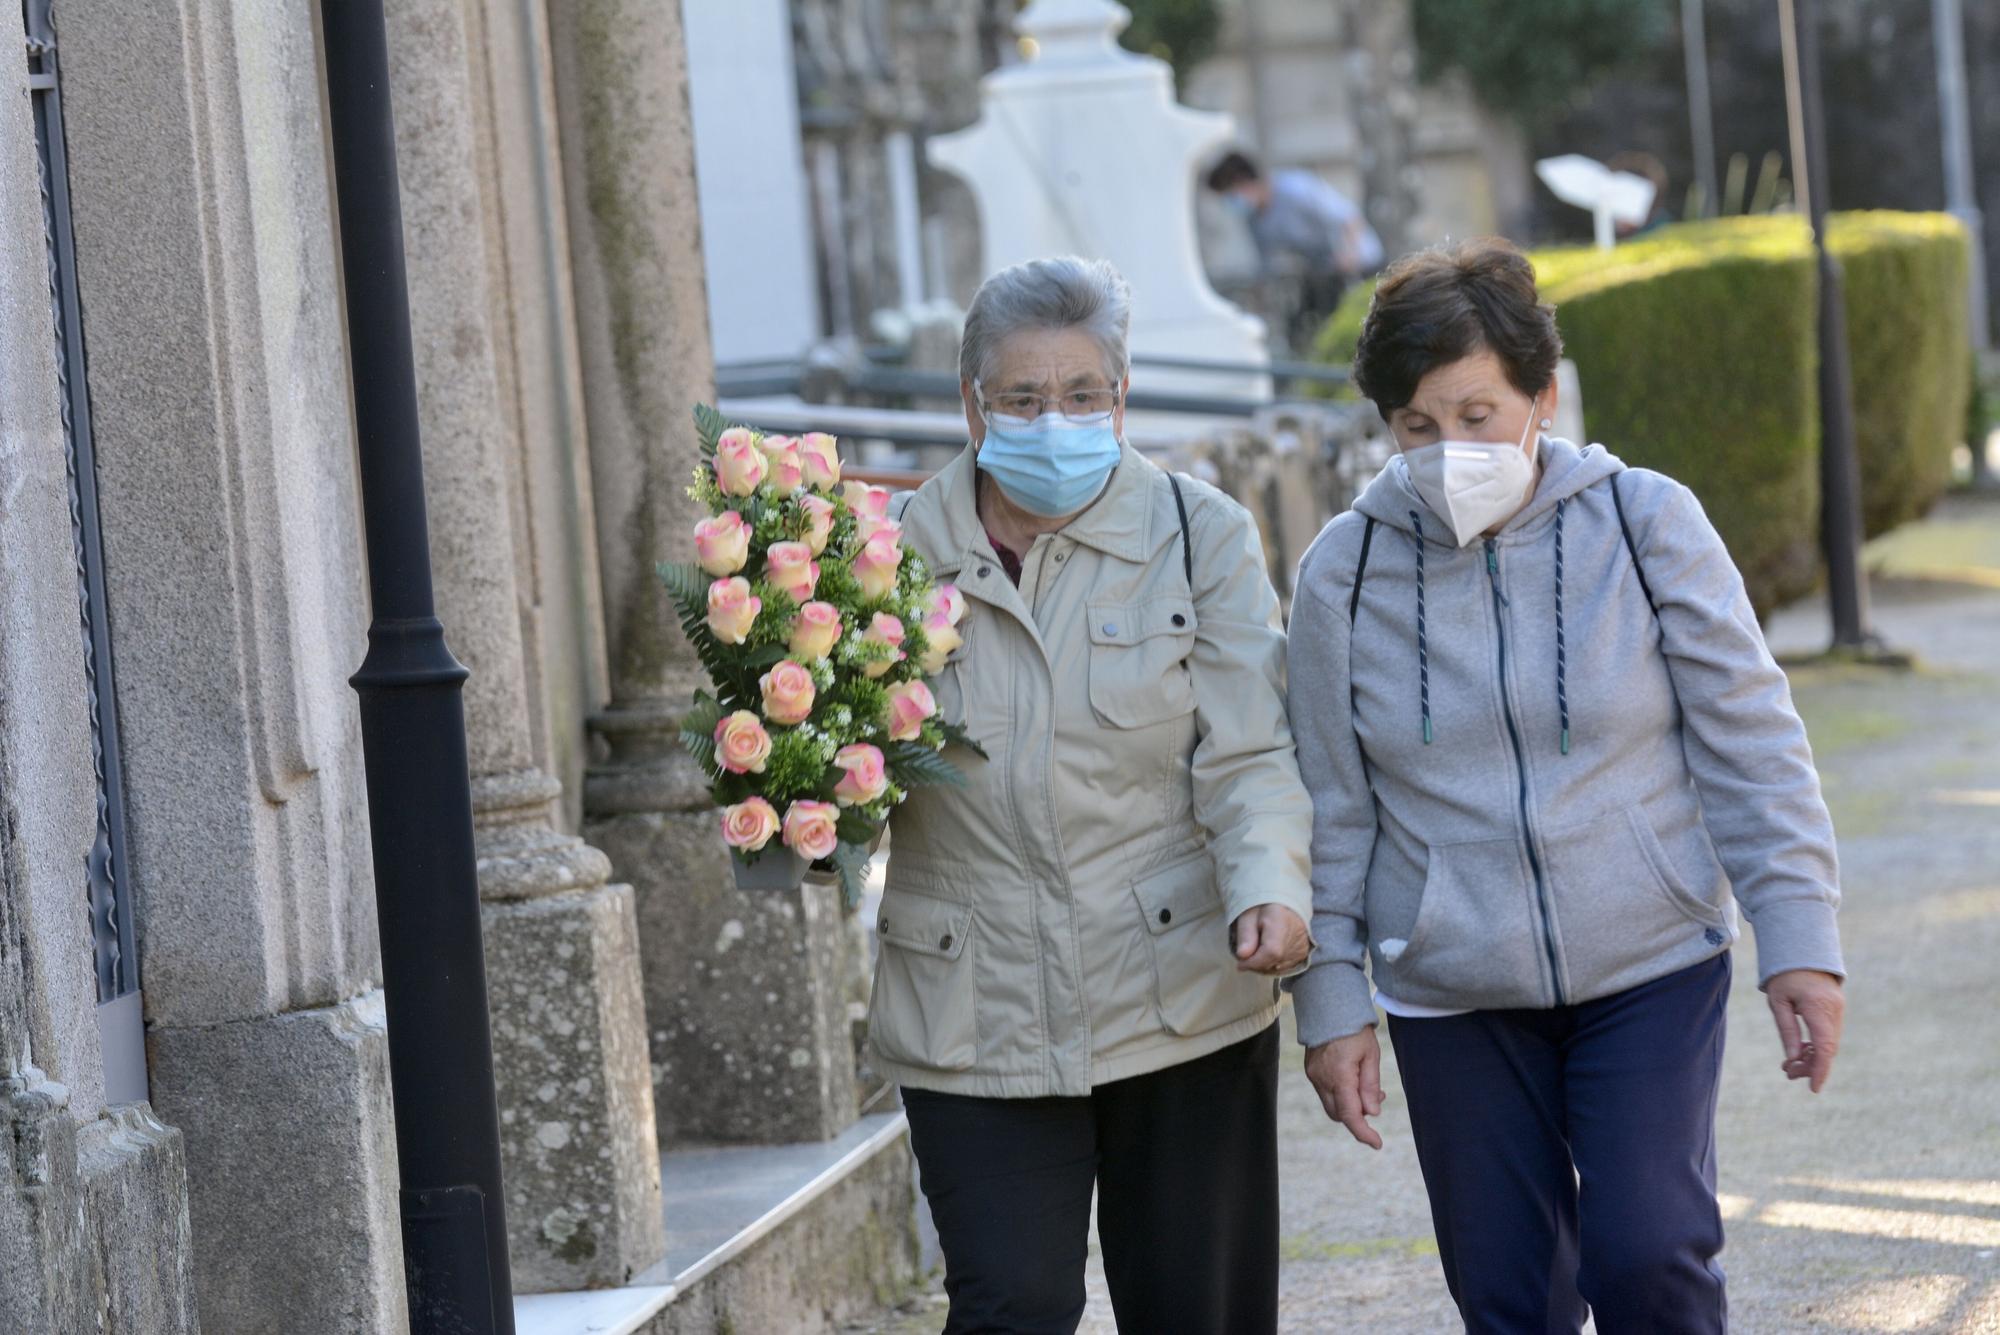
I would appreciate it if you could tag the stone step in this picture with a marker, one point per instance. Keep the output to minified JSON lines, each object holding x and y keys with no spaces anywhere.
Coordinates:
{"x":764,"y":1238}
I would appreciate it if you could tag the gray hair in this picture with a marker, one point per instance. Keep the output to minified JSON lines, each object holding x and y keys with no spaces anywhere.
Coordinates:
{"x":1060,"y":293}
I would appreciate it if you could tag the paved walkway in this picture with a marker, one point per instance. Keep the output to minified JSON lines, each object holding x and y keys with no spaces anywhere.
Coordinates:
{"x":1876,"y":1206}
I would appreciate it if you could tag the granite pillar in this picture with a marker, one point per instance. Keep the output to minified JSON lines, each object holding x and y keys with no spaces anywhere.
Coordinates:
{"x":747,"y":1023}
{"x":569,"y":1051}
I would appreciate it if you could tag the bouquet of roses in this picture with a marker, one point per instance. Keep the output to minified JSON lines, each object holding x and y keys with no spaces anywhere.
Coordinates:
{"x":817,"y":628}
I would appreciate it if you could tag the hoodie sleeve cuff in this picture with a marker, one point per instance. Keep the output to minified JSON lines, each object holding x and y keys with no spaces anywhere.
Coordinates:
{"x":1797,"y":934}
{"x":1331,"y":1000}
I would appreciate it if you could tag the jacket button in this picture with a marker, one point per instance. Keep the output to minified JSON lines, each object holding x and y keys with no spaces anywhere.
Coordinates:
{"x":1179,"y":620}
{"x":1166,"y":915}
{"x":984,"y":571}
{"x":882,"y":926}
{"x":1110,"y":628}
{"x":944,"y":942}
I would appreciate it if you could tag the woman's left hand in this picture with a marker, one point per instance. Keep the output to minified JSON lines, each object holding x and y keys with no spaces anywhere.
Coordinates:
{"x":1270,"y":939}
{"x":1814,"y":998}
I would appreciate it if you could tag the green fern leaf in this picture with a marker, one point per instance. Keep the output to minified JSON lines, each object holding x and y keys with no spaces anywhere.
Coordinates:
{"x":914,"y":766}
{"x":851,"y":861}
{"x":709,"y":426}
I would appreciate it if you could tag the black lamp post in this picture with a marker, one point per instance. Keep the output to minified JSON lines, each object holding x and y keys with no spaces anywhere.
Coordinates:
{"x":413,"y":741}
{"x":1839,"y":465}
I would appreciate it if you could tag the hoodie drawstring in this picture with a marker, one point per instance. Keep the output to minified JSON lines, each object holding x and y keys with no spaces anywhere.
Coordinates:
{"x":1423,"y":643}
{"x":1562,"y":653}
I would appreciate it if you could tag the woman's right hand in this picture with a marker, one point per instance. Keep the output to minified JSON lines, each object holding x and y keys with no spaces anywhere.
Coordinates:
{"x":1347,"y":1073}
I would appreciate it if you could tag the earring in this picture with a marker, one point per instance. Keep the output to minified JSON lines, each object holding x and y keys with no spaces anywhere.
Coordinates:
{"x":1546,"y":424}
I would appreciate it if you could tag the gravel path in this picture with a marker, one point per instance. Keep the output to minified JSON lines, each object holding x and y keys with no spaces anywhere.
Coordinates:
{"x":1876,"y":1206}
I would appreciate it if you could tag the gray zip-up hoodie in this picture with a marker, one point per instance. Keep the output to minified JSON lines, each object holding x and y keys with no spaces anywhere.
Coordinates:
{"x":1530,"y":788}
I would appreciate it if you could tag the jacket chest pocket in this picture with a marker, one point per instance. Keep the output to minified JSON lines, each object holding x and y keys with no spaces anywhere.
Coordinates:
{"x":924,"y":1010}
{"x":1138,"y":660}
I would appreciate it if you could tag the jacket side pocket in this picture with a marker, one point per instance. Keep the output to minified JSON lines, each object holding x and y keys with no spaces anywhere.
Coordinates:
{"x":1475,"y":942}
{"x":1198,"y":986}
{"x":924,"y":1010}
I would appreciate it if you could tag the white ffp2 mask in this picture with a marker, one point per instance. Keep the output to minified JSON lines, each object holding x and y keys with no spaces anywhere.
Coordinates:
{"x":1473,"y":485}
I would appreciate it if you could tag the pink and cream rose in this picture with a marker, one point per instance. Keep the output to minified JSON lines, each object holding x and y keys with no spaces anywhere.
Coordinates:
{"x":821,"y":458}
{"x":863,"y":499}
{"x":947,"y":602}
{"x":910,"y":704}
{"x":788,"y":693}
{"x":941,"y":640}
{"x":883,"y":629}
{"x":732,"y":609}
{"x":819,"y":521}
{"x":741,"y":744}
{"x":816,"y":630}
{"x":812,"y":829}
{"x":740,"y":467}
{"x":790,"y":566}
{"x":866,"y":778}
{"x":749,"y":824}
{"x":787,"y":464}
{"x":876,"y":564}
{"x":867,"y":527}
{"x":722,"y":544}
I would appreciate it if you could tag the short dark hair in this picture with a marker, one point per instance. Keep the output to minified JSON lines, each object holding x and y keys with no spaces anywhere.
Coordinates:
{"x":1234,"y":169}
{"x":1435,"y":306}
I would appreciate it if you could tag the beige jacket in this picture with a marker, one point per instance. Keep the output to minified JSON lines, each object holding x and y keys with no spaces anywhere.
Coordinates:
{"x":1062,"y":920}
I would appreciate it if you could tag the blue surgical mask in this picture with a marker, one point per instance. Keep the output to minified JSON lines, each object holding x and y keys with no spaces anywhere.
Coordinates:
{"x":1050,"y":466}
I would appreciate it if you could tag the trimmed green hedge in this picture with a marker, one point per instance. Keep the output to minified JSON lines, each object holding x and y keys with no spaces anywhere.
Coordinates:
{"x":1697,"y":350}
{"x":1695,"y":347}
{"x":1904,"y":276}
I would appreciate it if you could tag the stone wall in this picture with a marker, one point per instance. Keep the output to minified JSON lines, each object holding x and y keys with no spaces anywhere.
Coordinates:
{"x":94,"y":1228}
{"x":219,"y":387}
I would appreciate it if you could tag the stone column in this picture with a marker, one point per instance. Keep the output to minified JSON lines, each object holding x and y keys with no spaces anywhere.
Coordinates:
{"x":743,"y":997}
{"x":583,"y":1184}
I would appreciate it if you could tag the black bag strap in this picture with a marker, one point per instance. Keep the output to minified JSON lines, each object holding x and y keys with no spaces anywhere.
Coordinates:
{"x":1187,"y":543}
{"x":1638,"y":567}
{"x":1360,"y":569}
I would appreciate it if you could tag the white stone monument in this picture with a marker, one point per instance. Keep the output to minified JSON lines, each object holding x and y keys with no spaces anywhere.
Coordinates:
{"x":1081,"y":149}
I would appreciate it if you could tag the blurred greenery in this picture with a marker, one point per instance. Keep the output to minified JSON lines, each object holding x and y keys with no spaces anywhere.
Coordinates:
{"x":1697,"y":350}
{"x":1514,"y":54}
{"x":1181,"y":32}
{"x":1904,"y":277}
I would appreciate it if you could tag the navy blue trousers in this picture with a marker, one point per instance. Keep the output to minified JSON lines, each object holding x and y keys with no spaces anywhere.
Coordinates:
{"x":1569,"y":1155}
{"x":1184,"y":1162}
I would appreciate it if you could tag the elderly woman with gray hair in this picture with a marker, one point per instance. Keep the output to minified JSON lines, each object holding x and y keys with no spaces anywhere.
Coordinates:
{"x":1080,"y":948}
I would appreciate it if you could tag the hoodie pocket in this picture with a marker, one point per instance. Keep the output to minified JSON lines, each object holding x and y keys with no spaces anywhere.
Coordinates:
{"x":1621,"y":905}
{"x":924,"y":1010}
{"x":1198,"y":986}
{"x":1475,"y":942}
{"x":1138,"y":660}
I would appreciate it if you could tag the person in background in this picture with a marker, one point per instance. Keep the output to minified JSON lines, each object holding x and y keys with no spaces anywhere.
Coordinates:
{"x":1303,"y":225}
{"x":1650,"y":167}
{"x":1549,"y":756}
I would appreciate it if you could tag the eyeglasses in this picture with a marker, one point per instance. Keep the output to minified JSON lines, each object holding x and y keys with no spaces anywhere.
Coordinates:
{"x":1078,"y":405}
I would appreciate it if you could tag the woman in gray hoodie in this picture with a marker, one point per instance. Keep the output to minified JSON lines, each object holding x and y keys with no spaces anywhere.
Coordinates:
{"x":1545,"y":743}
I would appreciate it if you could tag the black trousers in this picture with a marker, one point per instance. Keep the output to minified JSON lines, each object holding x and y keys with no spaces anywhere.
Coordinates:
{"x":1569,"y":1155}
{"x":1185,"y":1163}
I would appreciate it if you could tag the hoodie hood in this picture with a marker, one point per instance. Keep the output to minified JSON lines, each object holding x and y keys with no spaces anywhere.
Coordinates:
{"x":1565,"y":471}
